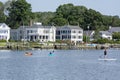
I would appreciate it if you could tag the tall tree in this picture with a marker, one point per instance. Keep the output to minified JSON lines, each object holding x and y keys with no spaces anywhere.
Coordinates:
{"x":19,"y":13}
{"x":43,"y":17}
{"x":2,"y":15}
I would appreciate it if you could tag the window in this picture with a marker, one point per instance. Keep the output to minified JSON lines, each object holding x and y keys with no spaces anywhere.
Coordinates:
{"x":27,"y":31}
{"x":64,"y":37}
{"x":43,"y":37}
{"x":3,"y":31}
{"x":74,"y":31}
{"x":57,"y":37}
{"x":46,"y":37}
{"x":40,"y":37}
{"x":69,"y":36}
{"x":20,"y":31}
{"x":79,"y":31}
{"x":58,"y":32}
{"x":46,"y":31}
{"x":69,"y":31}
{"x":79,"y":37}
{"x":73,"y":37}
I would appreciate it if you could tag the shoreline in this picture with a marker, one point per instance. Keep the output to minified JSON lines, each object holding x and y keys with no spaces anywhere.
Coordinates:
{"x":52,"y":47}
{"x":19,"y":46}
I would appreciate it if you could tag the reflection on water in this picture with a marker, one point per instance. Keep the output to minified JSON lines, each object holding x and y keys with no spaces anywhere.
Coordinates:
{"x":63,"y":65}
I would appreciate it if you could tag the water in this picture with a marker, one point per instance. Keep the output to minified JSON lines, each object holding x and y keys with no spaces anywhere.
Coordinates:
{"x":63,"y":65}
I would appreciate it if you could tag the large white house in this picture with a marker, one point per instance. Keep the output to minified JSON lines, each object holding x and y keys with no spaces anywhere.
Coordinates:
{"x":40,"y":33}
{"x":4,"y":32}
{"x":36,"y":32}
{"x":72,"y":33}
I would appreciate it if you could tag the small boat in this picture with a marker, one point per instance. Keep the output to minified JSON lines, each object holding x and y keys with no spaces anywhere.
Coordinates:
{"x":28,"y":54}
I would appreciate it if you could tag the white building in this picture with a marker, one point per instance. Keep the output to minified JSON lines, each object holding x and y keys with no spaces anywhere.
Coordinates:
{"x":72,"y":33}
{"x":4,"y":32}
{"x":106,"y":35}
{"x":34,"y":33}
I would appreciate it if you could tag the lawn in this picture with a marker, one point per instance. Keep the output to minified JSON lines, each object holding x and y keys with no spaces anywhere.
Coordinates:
{"x":2,"y":43}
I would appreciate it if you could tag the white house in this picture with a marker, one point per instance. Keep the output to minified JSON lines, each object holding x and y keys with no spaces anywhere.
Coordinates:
{"x":35,"y":33}
{"x":40,"y":33}
{"x":4,"y":32}
{"x":72,"y":33}
{"x":106,"y":34}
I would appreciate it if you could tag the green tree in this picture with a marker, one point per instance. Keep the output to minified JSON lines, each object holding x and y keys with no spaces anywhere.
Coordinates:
{"x":116,"y":36}
{"x":115,"y":21}
{"x":93,"y":18}
{"x":86,"y":39}
{"x":59,"y":21}
{"x":2,"y":15}
{"x":64,"y":10}
{"x":19,"y":13}
{"x":43,"y":17}
{"x":97,"y":35}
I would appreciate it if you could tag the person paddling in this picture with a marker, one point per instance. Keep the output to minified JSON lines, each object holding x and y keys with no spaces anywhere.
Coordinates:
{"x":50,"y":53}
{"x":105,"y":53}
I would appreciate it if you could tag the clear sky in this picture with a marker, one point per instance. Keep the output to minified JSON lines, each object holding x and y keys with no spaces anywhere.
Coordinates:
{"x":106,"y":7}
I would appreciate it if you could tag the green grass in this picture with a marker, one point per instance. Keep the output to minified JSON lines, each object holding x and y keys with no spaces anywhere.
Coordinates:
{"x":2,"y":43}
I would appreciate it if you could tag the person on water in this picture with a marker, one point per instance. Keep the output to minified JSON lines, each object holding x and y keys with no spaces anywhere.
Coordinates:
{"x":50,"y":53}
{"x":105,"y":53}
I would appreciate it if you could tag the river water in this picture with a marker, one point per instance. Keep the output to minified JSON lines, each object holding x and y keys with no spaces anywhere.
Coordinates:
{"x":62,"y":65}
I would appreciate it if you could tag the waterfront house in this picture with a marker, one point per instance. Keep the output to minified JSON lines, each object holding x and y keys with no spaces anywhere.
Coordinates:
{"x":106,"y":34}
{"x":4,"y":32}
{"x":41,"y":33}
{"x":72,"y":33}
{"x":14,"y":34}
{"x":36,"y":32}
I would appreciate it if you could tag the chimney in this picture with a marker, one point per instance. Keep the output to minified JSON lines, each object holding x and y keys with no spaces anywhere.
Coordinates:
{"x":109,"y":27}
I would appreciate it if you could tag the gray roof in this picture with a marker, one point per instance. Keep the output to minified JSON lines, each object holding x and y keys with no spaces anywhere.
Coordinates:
{"x":114,"y":29}
{"x":69,"y":27}
{"x":105,"y":32}
{"x":36,"y":26}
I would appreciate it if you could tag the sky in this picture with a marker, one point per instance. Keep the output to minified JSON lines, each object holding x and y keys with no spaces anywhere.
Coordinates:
{"x":105,"y":7}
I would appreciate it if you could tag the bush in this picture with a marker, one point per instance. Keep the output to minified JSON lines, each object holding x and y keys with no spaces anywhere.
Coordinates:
{"x":2,"y":40}
{"x":102,"y":41}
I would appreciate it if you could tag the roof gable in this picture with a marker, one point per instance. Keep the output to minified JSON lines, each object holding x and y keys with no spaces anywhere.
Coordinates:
{"x":4,"y":26}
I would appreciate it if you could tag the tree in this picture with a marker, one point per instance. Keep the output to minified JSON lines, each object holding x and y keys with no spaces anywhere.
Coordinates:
{"x":2,"y":15}
{"x":97,"y":35}
{"x":43,"y":17}
{"x":19,"y":13}
{"x":59,"y":21}
{"x":116,"y":36}
{"x":115,"y":21}
{"x":77,"y":15}
{"x":93,"y":18}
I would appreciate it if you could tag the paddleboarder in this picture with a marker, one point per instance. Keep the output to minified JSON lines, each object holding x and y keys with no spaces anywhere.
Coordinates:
{"x":105,"y":53}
